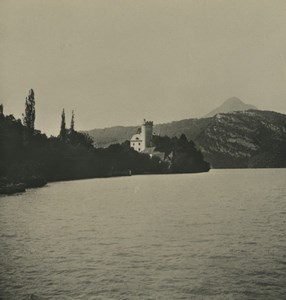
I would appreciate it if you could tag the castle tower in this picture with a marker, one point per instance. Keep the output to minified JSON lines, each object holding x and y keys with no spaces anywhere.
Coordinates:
{"x":143,"y":138}
{"x":147,"y":132}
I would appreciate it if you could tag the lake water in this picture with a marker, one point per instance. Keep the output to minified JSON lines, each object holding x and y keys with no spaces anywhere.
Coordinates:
{"x":218,"y":235}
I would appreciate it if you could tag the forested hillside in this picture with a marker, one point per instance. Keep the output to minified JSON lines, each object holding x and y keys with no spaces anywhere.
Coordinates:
{"x":242,"y":139}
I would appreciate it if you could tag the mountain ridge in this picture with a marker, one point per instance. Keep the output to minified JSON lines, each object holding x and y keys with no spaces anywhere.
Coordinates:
{"x":241,"y":139}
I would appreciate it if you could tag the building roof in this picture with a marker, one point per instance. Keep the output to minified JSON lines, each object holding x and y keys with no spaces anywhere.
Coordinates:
{"x":136,"y":138}
{"x":151,"y":151}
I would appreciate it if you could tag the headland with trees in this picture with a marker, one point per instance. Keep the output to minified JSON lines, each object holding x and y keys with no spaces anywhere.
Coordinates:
{"x":28,"y":158}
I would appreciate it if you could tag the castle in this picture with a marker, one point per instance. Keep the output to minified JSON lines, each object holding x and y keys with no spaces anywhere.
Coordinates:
{"x":142,"y":141}
{"x":143,"y":138}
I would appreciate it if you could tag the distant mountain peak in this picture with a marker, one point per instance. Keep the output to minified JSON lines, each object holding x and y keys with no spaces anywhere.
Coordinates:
{"x":230,"y":105}
{"x":233,"y":100}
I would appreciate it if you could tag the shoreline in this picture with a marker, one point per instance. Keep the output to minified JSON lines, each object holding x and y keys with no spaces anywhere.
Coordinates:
{"x":10,"y":188}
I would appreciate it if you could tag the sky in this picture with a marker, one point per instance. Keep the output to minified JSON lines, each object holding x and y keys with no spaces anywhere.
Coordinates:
{"x":117,"y":62}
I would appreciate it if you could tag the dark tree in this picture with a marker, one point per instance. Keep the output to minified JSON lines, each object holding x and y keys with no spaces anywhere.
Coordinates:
{"x":163,"y":144}
{"x":63,"y":131}
{"x":183,"y":154}
{"x":29,"y":117}
{"x":72,"y":122}
{"x":1,"y":110}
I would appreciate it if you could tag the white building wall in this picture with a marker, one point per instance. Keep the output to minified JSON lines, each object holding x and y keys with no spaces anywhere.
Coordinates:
{"x":136,"y":142}
{"x":142,"y":140}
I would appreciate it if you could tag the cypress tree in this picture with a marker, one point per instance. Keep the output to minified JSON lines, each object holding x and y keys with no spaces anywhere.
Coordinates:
{"x":30,"y":114}
{"x":72,"y":122}
{"x":63,"y":125}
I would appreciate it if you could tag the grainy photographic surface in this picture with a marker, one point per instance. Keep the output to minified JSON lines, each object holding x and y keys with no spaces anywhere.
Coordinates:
{"x":142,"y":149}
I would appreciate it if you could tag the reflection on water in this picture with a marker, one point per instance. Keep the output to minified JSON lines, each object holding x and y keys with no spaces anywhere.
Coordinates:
{"x":219,"y":235}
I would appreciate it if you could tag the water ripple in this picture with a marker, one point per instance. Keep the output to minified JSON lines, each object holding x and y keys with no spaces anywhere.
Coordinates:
{"x":178,"y":237}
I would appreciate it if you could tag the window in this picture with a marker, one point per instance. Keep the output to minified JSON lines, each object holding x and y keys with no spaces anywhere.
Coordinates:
{"x":138,"y":149}
{"x":139,"y":144}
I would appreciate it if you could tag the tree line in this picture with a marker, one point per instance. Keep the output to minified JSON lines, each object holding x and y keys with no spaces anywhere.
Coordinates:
{"x":26,"y":154}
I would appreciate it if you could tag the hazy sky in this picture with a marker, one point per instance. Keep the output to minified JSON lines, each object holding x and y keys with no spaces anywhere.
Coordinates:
{"x":116,"y":62}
